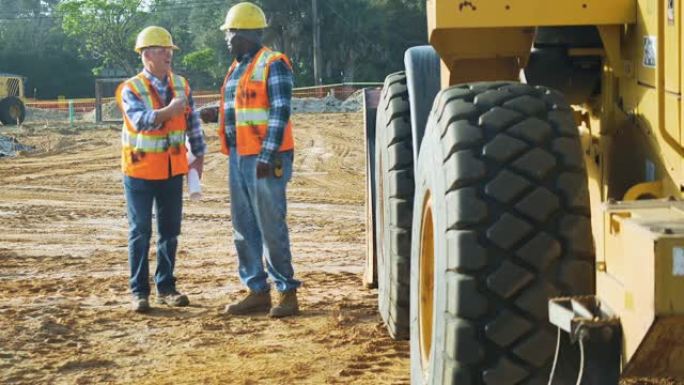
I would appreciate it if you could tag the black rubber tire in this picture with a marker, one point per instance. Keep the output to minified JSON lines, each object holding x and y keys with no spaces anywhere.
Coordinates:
{"x":371,"y":98}
{"x":394,"y":204}
{"x":502,"y":167}
{"x":12,"y":110}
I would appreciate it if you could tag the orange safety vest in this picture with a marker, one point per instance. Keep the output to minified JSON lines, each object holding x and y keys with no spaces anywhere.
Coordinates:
{"x":156,"y":154}
{"x":252,"y":106}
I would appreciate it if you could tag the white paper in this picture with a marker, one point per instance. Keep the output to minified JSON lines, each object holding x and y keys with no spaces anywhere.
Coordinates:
{"x":194,"y":185}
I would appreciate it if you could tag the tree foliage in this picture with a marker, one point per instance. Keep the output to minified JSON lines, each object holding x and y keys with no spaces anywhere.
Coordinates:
{"x":361,"y":40}
{"x":105,"y":28}
{"x":33,"y":45}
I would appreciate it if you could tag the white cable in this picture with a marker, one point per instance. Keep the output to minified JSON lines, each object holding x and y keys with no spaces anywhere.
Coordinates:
{"x":581,"y":369}
{"x":555,"y":357}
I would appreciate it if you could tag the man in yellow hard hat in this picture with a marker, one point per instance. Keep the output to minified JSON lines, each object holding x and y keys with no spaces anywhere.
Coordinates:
{"x":159,"y":117}
{"x":256,"y":132}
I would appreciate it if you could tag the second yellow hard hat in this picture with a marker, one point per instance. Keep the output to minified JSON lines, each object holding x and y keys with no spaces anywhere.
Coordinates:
{"x":244,"y":15}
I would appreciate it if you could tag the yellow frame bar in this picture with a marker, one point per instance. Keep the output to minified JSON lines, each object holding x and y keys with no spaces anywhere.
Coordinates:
{"x":446,"y":14}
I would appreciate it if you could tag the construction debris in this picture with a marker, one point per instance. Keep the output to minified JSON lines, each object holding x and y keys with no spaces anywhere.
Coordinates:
{"x":11,"y":147}
{"x":111,"y":112}
{"x":327,"y":104}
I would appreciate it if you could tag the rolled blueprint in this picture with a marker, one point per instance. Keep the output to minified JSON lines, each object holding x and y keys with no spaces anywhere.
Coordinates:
{"x":194,"y":185}
{"x":191,"y":157}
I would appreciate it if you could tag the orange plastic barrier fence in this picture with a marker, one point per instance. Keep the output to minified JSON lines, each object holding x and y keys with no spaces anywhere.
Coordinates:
{"x":340,"y":91}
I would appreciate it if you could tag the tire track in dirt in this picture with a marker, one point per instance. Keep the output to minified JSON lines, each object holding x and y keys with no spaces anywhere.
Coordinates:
{"x":63,"y":285}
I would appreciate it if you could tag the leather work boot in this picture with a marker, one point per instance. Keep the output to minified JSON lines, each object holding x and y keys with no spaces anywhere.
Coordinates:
{"x":253,"y":303}
{"x":173,"y":299}
{"x":140,"y":304}
{"x":287,"y":305}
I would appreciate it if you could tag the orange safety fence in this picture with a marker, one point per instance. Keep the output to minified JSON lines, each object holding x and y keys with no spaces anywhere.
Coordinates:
{"x":340,"y":91}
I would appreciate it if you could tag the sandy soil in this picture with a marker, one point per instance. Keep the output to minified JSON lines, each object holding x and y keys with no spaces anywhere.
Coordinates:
{"x":64,"y":315}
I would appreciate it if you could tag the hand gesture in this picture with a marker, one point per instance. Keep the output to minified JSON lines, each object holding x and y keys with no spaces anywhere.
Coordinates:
{"x":263,"y":170}
{"x":177,"y":106}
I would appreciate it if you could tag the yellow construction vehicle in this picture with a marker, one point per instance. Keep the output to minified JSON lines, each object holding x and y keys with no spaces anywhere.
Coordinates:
{"x":12,"y":109}
{"x":525,"y":184}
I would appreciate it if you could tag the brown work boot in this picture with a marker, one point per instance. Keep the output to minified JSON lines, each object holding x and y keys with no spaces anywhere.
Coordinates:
{"x":173,"y":299}
{"x":140,"y":304}
{"x":287,"y":305}
{"x":253,"y":303}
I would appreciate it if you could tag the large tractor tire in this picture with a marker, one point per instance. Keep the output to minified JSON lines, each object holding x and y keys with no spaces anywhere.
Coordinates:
{"x":500,"y":225}
{"x":394,"y":204}
{"x":12,"y":111}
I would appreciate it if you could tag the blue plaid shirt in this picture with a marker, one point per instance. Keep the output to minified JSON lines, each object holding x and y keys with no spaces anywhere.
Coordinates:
{"x":143,"y":116}
{"x":280,"y":85}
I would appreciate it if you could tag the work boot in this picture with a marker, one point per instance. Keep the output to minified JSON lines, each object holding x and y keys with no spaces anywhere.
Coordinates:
{"x":173,"y":298}
{"x":287,"y":305}
{"x":254,"y":302}
{"x":140,"y":304}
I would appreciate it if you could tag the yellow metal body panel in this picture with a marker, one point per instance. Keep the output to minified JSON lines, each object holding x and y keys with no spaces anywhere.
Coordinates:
{"x":11,"y":86}
{"x":481,"y":40}
{"x":624,"y":286}
{"x":643,"y":276}
{"x":482,"y":54}
{"x":645,"y":28}
{"x":446,"y":14}
{"x":633,"y":145}
{"x":673,"y":55}
{"x":646,"y":190}
{"x":672,"y":128}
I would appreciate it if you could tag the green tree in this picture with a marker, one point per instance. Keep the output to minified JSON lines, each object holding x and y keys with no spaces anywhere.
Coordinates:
{"x":34,"y":45}
{"x":107,"y":30}
{"x":195,"y":29}
{"x":361,"y":40}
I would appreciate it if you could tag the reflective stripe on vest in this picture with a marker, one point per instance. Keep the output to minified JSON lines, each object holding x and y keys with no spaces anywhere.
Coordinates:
{"x":252,"y":106}
{"x":159,"y":153}
{"x":251,"y":116}
{"x":152,"y":142}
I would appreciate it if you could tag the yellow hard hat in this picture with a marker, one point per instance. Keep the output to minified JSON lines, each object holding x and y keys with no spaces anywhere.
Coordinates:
{"x":244,"y":16}
{"x":153,"y":36}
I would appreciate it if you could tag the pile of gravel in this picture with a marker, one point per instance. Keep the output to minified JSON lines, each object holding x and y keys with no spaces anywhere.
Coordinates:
{"x":326,"y":104}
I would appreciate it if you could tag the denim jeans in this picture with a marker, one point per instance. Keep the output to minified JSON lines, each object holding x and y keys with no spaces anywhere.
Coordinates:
{"x":259,"y":209}
{"x":167,"y":198}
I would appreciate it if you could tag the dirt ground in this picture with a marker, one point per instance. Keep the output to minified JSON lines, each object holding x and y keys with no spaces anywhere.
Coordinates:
{"x":64,"y":315}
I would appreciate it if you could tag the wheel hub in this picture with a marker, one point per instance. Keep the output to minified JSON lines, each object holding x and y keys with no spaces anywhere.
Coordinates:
{"x":15,"y":112}
{"x":426,"y":283}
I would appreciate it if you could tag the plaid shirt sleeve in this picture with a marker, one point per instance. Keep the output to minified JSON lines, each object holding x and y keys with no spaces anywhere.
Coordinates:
{"x":143,"y":119}
{"x":194,"y":130}
{"x":280,"y":85}
{"x":229,"y":118}
{"x":137,"y":112}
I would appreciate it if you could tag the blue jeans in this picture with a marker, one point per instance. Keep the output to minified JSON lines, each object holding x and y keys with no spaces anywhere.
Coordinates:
{"x":259,"y":209}
{"x":167,"y":197}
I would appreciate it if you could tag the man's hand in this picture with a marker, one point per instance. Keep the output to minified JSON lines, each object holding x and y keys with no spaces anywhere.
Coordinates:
{"x":263,"y":170}
{"x":198,"y":165}
{"x":209,"y":114}
{"x":176,"y":107}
